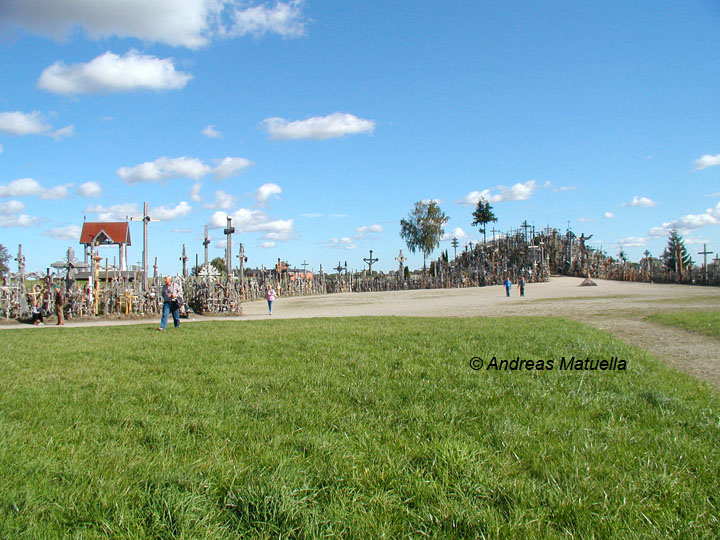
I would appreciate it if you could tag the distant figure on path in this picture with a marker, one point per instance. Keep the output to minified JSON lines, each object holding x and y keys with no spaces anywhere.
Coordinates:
{"x":59,"y":302}
{"x":521,"y":284}
{"x":270,"y":295}
{"x":172,"y":298}
{"x":507,"y":284}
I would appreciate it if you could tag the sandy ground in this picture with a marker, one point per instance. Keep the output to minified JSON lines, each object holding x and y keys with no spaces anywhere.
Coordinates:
{"x":616,"y":307}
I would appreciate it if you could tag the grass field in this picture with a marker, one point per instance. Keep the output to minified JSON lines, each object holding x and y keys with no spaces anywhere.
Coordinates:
{"x":703,"y":322}
{"x":349,"y":428}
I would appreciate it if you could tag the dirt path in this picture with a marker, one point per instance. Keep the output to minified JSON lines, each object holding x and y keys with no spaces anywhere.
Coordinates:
{"x":616,"y":307}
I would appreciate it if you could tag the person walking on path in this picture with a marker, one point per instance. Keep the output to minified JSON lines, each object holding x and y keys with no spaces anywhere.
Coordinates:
{"x":507,"y":284}
{"x":172,"y":298}
{"x":521,"y":284}
{"x":270,"y":295}
{"x":59,"y":302}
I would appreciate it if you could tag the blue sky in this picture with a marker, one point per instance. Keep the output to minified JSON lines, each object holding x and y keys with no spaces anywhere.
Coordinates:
{"x":318,"y":124}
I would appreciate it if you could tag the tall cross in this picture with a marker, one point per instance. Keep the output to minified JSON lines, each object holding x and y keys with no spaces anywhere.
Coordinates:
{"x":525,"y":227}
{"x":454,"y":243}
{"x":243,"y":259}
{"x":704,"y":253}
{"x":493,"y":230}
{"x":339,"y":267}
{"x":145,"y":219}
{"x":304,"y":265}
{"x":21,"y":263}
{"x":206,"y":243}
{"x":184,"y":260}
{"x":401,"y":263}
{"x":370,"y":261}
{"x":228,"y":231}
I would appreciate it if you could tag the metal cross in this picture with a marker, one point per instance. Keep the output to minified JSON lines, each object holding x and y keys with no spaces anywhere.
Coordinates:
{"x":145,"y":219}
{"x":370,"y":261}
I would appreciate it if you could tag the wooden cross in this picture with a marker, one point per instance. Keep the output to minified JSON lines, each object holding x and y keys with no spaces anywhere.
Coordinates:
{"x":206,"y":243}
{"x":401,"y":260}
{"x":704,"y":253}
{"x":370,"y":261}
{"x":228,"y":231}
{"x":184,"y":260}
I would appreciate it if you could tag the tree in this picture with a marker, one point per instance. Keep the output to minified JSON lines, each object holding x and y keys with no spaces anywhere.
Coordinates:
{"x":219,"y":264}
{"x":4,"y":261}
{"x":483,"y":215}
{"x":675,"y":257}
{"x":423,"y":228}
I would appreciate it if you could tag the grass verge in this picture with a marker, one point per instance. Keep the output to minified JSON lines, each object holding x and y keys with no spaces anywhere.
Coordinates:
{"x":349,"y":428}
{"x":702,"y":322}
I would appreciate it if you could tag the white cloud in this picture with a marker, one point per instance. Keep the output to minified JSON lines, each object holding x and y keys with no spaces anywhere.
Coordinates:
{"x":266,"y":245}
{"x":640,"y":201}
{"x":318,"y":127}
{"x":21,"y":220}
{"x":168,"y":213}
{"x":632,"y":241}
{"x":365,"y":230}
{"x":705,"y":161}
{"x":28,"y":187}
{"x":608,"y":215}
{"x":195,"y":192}
{"x":344,"y":243}
{"x":1,"y":148}
{"x":18,"y":124}
{"x":11,"y":207}
{"x":164,"y":168}
{"x":223,"y":201}
{"x":211,"y":133}
{"x":247,"y":220}
{"x":113,"y":73}
{"x":519,"y":191}
{"x":455,"y":233}
{"x":264,"y":192}
{"x":117,"y":212}
{"x":89,"y":189}
{"x":70,"y":232}
{"x":689,"y":222}
{"x":312,"y":215}
{"x":230,"y":166}
{"x":190,"y":23}
{"x":284,"y":19}
{"x":584,"y":219}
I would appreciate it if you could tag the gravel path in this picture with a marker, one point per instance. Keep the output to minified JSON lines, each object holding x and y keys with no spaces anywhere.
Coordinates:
{"x":616,"y":307}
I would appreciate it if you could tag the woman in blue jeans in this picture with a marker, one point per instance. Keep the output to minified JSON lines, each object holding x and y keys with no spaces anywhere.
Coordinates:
{"x":172,"y":296}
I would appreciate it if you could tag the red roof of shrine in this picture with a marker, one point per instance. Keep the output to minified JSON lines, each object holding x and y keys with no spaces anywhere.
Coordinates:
{"x":105,"y":233}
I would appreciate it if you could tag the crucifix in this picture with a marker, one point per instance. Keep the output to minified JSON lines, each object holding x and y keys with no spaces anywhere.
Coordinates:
{"x":304,"y":265}
{"x":145,"y":219}
{"x":184,"y":260}
{"x":525,"y":228}
{"x":401,"y":266}
{"x":370,"y":261}
{"x":704,"y":253}
{"x":228,"y":231}
{"x":339,"y":268}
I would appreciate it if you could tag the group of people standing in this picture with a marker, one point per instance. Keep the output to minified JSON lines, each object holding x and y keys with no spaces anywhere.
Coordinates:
{"x":521,"y":286}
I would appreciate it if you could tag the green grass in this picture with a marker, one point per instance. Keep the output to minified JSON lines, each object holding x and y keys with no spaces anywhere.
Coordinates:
{"x":349,"y":428}
{"x":703,"y":322}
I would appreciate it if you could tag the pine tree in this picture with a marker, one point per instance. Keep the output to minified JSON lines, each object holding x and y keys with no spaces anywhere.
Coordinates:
{"x":4,"y":261}
{"x":675,"y":257}
{"x":483,"y":215}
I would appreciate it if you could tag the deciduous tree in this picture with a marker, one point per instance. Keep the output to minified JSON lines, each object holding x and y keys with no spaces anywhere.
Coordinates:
{"x":423,"y":228}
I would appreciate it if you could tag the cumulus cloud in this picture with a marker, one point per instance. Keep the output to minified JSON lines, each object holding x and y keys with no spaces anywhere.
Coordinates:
{"x":230,"y":166}
{"x":520,"y":191}
{"x":365,"y":230}
{"x":632,"y":241}
{"x":195,"y":192}
{"x":113,"y":73}
{"x":11,"y":207}
{"x":264,"y":192}
{"x":343,"y":243}
{"x":317,"y":127}
{"x":689,"y":222}
{"x":266,"y":245}
{"x":168,"y":213}
{"x":18,"y":124}
{"x":117,"y":212}
{"x":21,"y":220}
{"x":29,"y":187}
{"x":191,"y":23}
{"x":640,"y":201}
{"x":247,"y":220}
{"x":70,"y":232}
{"x":223,"y":201}
{"x":455,"y":233}
{"x":164,"y":168}
{"x":211,"y":133}
{"x":608,"y":215}
{"x":705,"y":161}
{"x":89,"y":189}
